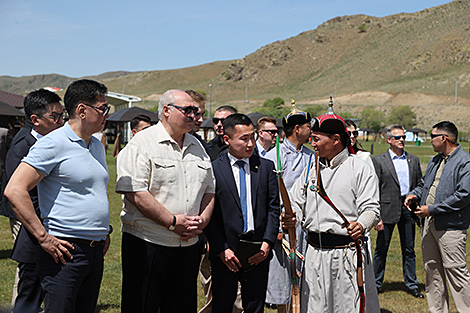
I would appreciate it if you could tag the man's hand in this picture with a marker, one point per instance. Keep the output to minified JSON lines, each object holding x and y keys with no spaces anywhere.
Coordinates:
{"x":408,"y":200}
{"x":288,"y":221}
{"x":379,"y":226}
{"x":56,"y":247}
{"x":355,"y":230}
{"x":230,"y":260}
{"x":188,"y":226}
{"x":261,"y":255}
{"x":422,"y":211}
{"x":107,"y":242}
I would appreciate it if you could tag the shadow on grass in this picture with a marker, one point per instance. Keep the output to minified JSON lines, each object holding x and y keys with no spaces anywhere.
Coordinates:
{"x":5,"y":254}
{"x":397,"y":286}
{"x":385,"y":311}
{"x":104,"y":307}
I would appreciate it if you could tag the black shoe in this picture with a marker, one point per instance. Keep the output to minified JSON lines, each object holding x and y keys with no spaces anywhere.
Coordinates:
{"x":415,"y":293}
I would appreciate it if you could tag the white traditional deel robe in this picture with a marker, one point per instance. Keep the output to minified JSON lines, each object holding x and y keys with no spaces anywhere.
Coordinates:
{"x":329,"y":279}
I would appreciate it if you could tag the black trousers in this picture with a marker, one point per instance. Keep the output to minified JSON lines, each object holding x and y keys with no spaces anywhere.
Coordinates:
{"x":253,"y":282}
{"x":157,"y":278}
{"x":30,"y":293}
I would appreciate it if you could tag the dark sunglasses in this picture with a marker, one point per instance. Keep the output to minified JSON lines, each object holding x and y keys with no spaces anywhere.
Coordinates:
{"x":437,"y":135}
{"x":216,"y":120}
{"x":186,"y":110}
{"x":354,"y":133}
{"x":273,"y":132}
{"x":398,"y":137}
{"x":104,"y":110}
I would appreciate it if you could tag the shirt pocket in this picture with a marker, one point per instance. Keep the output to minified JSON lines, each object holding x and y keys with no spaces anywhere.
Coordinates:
{"x":162,"y":173}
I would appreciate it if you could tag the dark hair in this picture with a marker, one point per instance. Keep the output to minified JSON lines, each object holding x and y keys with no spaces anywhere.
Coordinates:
{"x":139,"y":118}
{"x":196,"y":96}
{"x":349,"y":122}
{"x":83,"y":91}
{"x":448,"y":127}
{"x":228,"y":108}
{"x":233,"y":120}
{"x":36,"y":102}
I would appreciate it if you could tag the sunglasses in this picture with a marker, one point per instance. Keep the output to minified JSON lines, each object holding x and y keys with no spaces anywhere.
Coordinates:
{"x":216,"y":120}
{"x":186,"y":110}
{"x":398,"y":137}
{"x":354,"y":133}
{"x":437,"y":135}
{"x":273,"y":132}
{"x":104,"y":110}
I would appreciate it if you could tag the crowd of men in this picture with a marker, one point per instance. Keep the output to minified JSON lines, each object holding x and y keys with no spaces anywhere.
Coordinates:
{"x":215,"y":209}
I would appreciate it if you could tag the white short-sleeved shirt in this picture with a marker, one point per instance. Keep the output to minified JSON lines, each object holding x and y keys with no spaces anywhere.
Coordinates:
{"x":73,"y":194}
{"x":178,"y":179}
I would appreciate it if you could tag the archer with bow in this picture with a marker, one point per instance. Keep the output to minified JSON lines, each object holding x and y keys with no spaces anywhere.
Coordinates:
{"x":337,"y":200}
{"x":290,"y":157}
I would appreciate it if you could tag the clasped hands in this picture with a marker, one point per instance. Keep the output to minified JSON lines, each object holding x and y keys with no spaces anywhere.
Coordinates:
{"x":188,"y":226}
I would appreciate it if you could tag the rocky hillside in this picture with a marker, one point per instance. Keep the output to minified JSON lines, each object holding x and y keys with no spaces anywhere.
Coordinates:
{"x":404,"y":59}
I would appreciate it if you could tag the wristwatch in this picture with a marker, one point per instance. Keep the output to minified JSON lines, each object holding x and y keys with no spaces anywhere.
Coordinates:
{"x":172,"y":226}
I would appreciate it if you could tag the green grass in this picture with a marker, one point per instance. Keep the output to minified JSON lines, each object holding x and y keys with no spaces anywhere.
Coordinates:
{"x":393,"y":299}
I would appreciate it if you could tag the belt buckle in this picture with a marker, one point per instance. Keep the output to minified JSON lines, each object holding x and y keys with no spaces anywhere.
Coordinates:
{"x":94,"y":243}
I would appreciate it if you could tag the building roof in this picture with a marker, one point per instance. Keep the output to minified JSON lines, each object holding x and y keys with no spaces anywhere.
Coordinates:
{"x":11,"y":99}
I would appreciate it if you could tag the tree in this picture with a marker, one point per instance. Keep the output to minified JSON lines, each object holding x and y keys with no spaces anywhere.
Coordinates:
{"x":402,"y":115}
{"x":372,"y":118}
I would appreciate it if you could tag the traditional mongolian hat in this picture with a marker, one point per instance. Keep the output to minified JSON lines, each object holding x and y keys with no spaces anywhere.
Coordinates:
{"x":296,"y":117}
{"x":331,"y":123}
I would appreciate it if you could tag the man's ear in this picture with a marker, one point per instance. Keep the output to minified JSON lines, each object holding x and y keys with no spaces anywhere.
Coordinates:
{"x":226,"y":140}
{"x":34,"y":119}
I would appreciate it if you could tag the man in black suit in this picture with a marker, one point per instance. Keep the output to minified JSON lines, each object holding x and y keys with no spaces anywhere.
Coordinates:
{"x":399,"y":172}
{"x":217,"y":145}
{"x":246,"y":207}
{"x":43,"y":113}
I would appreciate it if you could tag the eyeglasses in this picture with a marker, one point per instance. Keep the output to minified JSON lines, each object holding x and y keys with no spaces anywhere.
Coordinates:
{"x":437,"y":135}
{"x":398,"y":137}
{"x":216,"y":120}
{"x":273,"y":132}
{"x":104,"y":110}
{"x":186,"y":110}
{"x":354,"y":133}
{"x":56,"y":117}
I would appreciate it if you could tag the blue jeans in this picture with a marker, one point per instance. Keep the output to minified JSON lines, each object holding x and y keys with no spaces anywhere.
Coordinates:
{"x":75,"y":286}
{"x":406,"y":230}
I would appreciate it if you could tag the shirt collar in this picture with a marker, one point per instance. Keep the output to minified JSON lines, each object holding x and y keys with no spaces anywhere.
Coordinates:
{"x":162,"y":135}
{"x":36,"y":135}
{"x":233,"y":159}
{"x":337,"y":160}
{"x":394,"y":156}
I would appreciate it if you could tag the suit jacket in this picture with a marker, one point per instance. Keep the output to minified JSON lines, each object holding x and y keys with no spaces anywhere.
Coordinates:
{"x":226,"y":225}
{"x":26,"y":248}
{"x":390,"y":196}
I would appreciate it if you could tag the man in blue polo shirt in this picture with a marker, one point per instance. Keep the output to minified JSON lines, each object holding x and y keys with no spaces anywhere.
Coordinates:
{"x":69,"y":168}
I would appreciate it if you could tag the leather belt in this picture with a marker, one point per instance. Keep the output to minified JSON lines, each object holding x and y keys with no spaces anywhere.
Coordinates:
{"x":91,"y":243}
{"x":329,"y":241}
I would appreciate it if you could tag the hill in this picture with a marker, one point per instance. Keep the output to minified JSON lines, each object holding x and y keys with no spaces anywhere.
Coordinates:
{"x":403,"y":59}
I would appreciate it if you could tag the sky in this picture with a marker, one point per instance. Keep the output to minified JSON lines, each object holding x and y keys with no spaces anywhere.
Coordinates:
{"x":83,"y":38}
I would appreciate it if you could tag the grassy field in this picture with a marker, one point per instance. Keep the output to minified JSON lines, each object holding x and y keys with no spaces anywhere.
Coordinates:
{"x":393,"y":299}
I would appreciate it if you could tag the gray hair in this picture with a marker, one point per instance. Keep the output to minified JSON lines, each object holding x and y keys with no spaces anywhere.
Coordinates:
{"x":167,"y":98}
{"x":392,"y":127}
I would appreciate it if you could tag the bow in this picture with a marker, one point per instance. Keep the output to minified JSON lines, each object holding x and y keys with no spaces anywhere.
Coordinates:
{"x":359,"y":275}
{"x":292,"y":236}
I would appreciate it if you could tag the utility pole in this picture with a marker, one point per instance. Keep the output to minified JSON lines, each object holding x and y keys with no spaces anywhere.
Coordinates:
{"x":210,"y":101}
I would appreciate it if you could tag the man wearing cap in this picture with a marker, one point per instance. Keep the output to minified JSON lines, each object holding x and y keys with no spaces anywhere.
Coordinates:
{"x":443,"y":195}
{"x":330,"y":282}
{"x":217,"y":145}
{"x":293,"y":157}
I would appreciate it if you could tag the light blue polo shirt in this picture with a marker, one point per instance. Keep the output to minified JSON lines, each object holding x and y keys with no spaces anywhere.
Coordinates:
{"x":73,"y":194}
